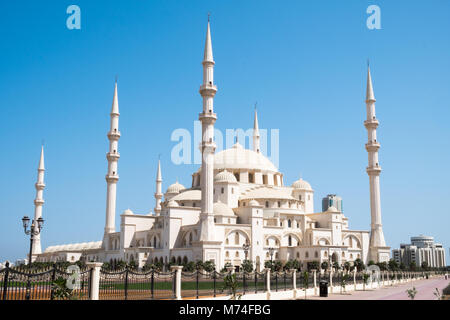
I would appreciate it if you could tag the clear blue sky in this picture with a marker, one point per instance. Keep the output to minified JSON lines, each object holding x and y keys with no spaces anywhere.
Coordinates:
{"x":303,"y":61}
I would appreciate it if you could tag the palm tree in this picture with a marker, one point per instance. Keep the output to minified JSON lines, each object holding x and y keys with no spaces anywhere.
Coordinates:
{"x":305,"y":281}
{"x":324,"y":265}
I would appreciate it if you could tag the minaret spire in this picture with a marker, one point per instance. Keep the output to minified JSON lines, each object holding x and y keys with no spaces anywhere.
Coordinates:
{"x":38,"y":203}
{"x":112,"y":176}
{"x":256,"y":135}
{"x":158,"y":193}
{"x":208,"y":146}
{"x":378,"y":251}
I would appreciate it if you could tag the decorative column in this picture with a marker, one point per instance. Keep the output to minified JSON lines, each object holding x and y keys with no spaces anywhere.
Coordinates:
{"x":94,"y":279}
{"x":177,"y":270}
{"x":315,"y":281}
{"x":354,"y":279}
{"x":294,"y":282}
{"x":267,"y":282}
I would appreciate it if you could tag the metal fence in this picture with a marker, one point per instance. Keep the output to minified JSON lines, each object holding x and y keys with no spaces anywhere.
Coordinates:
{"x":23,"y":284}
{"x":136,"y":285}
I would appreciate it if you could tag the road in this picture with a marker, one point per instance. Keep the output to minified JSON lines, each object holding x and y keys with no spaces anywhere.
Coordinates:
{"x":425,"y":291}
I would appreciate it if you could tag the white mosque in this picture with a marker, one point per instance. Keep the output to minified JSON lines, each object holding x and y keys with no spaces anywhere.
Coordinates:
{"x":237,"y":197}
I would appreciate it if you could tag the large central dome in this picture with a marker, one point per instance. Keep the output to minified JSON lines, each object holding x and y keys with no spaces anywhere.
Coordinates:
{"x":239,"y":158}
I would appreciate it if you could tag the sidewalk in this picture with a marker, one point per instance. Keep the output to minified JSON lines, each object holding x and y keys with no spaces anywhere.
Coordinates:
{"x":425,"y":290}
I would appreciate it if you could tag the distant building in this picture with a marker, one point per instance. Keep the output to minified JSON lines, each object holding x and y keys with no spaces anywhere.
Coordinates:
{"x":422,"y":249}
{"x":332,"y":200}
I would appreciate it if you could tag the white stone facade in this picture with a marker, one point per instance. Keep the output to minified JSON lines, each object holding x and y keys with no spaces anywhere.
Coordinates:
{"x":422,"y":249}
{"x":241,"y":198}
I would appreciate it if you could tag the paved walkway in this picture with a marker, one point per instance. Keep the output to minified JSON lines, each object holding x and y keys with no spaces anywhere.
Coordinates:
{"x":425,"y":290}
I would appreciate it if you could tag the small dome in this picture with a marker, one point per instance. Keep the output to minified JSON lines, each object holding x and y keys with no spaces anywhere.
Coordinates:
{"x":172,"y":204}
{"x":225,"y":176}
{"x":222,"y":209}
{"x":128,"y":212}
{"x":253,"y":203}
{"x":332,"y":209}
{"x":301,"y":184}
{"x":175,"y":188}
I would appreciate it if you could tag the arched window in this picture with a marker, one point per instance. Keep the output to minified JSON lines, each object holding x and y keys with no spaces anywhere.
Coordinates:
{"x":227,"y":241}
{"x":298,"y":255}
{"x":316,"y":254}
{"x":237,"y":254}
{"x":300,"y":197}
{"x":190,"y":238}
{"x":289,"y":223}
{"x":306,"y":254}
{"x":236,"y":175}
{"x":267,"y":204}
{"x":236,"y":238}
{"x":350,"y":241}
{"x":227,"y":254}
{"x":279,"y":204}
{"x":154,"y":242}
{"x":221,"y":190}
{"x":289,"y":240}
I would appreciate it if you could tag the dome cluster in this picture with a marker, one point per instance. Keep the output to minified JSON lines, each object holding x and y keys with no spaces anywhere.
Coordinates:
{"x":175,"y":188}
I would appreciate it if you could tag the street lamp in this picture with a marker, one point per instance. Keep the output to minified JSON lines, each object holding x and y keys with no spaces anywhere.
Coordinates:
{"x":33,"y":231}
{"x":271,"y":250}
{"x":246,"y":246}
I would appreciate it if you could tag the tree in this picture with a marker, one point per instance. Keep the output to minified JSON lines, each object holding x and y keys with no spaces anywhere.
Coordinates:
{"x":347,"y":266}
{"x":209,"y":266}
{"x":412,"y":266}
{"x":344,"y":279}
{"x":247,"y":266}
{"x":382,"y":265}
{"x":199,"y":265}
{"x":359,"y":264}
{"x":121,"y":264}
{"x":336,"y":265}
{"x":60,"y":289}
{"x":402,"y":266}
{"x":305,"y":281}
{"x":313,"y":265}
{"x":292,"y":264}
{"x":324,"y":265}
{"x":371,"y":263}
{"x":393,"y":265}
{"x":412,"y":293}
{"x":424,"y":265}
{"x":230,"y":282}
{"x":189,"y":266}
{"x":132,"y":265}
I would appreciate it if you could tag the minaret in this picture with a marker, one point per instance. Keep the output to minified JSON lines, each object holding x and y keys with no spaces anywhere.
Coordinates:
{"x":256,"y":135}
{"x":113,"y":156}
{"x":39,"y":202}
{"x":207,"y":146}
{"x":377,"y":243}
{"x":158,"y":193}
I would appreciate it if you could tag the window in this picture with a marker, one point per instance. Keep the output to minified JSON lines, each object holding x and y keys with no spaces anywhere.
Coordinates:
{"x":227,"y":254}
{"x":236,"y":254}
{"x":267,"y":204}
{"x":251,"y":178}
{"x":227,"y":241}
{"x":289,"y":241}
{"x":265,"y":179}
{"x":236,"y":238}
{"x":300,"y":197}
{"x":279,"y":204}
{"x":193,"y":204}
{"x":316,"y":254}
{"x":221,"y":191}
{"x":298,"y":255}
{"x":236,"y":175}
{"x":289,"y":223}
{"x":267,"y":242}
{"x":306,"y":254}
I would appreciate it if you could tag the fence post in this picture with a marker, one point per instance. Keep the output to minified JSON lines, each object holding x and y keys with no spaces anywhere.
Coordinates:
{"x":268,"y":283}
{"x":152,"y":284}
{"x":315,"y":280}
{"x":243,"y":281}
{"x":294,"y":283}
{"x":5,"y":281}
{"x":354,"y":279}
{"x":95,"y":279}
{"x":52,"y":294}
{"x":126,"y":282}
{"x":331,"y":280}
{"x":177,"y":270}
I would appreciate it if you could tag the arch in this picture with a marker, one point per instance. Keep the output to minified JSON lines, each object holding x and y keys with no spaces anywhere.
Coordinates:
{"x":276,"y":238}
{"x":233,"y":232}
{"x":334,"y":257}
{"x":185,"y":260}
{"x":323,"y":241}
{"x":295,"y":239}
{"x":353,"y":241}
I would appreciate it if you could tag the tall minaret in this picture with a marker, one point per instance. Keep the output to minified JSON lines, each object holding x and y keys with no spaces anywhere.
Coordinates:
{"x":256,"y":135}
{"x":39,"y":202}
{"x":113,"y":156}
{"x":373,"y":170}
{"x":207,"y":146}
{"x":158,"y":193}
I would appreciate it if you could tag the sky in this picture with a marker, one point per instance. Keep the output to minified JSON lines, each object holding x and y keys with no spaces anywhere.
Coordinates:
{"x":304,"y":62}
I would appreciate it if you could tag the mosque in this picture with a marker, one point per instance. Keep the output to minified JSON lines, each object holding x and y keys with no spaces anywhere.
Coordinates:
{"x":238,"y":207}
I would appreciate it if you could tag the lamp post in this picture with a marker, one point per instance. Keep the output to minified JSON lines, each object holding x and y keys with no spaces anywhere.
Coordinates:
{"x":33,"y":231}
{"x":246,"y":246}
{"x":271,"y":250}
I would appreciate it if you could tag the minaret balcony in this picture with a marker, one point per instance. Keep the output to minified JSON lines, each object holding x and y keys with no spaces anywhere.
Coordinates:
{"x":39,"y":202}
{"x":372,"y":146}
{"x":208,"y":89}
{"x":112,"y":177}
{"x":40,"y":186}
{"x":372,"y":123}
{"x":111,"y":156}
{"x":207,"y":117}
{"x":114,"y":135}
{"x":373,"y":170}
